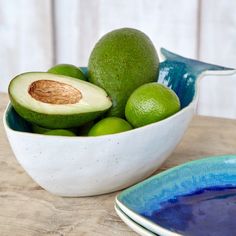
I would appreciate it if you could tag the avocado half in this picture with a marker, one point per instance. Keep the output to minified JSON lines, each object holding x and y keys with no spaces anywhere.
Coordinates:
{"x":57,"y":101}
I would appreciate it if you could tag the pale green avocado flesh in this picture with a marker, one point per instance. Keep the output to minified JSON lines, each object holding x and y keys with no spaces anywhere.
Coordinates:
{"x":120,"y":62}
{"x":56,"y":101}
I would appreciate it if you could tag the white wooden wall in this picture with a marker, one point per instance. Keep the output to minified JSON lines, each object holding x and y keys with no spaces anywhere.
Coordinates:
{"x":35,"y":34}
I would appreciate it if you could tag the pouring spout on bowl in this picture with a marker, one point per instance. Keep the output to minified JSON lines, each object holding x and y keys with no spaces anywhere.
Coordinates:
{"x":181,"y":74}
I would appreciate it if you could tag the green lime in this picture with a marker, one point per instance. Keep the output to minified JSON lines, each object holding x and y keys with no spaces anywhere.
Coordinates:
{"x":150,"y":103}
{"x":60,"y":132}
{"x":38,"y":129}
{"x":109,"y":125}
{"x":68,"y":70}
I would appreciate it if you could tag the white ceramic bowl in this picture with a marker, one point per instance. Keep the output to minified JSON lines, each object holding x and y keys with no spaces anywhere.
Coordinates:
{"x":85,"y":166}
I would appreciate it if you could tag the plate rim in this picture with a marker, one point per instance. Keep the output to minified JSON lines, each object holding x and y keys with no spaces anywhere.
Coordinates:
{"x":148,"y":223}
{"x":122,"y":215}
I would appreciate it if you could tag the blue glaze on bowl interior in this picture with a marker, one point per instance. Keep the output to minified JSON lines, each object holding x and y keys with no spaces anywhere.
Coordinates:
{"x":180,"y":74}
{"x":15,"y":122}
{"x":148,"y":195}
{"x":176,"y":72}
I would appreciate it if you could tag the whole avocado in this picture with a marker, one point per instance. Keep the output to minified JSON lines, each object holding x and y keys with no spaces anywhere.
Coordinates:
{"x":121,"y":61}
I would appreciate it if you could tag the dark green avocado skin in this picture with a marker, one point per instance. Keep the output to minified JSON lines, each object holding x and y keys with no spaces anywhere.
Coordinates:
{"x":58,"y":121}
{"x":120,"y":62}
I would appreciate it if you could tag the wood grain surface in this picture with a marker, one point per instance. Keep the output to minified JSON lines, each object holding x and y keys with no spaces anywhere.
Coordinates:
{"x":28,"y":210}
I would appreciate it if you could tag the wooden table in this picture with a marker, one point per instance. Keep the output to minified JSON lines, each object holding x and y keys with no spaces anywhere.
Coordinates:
{"x":26,"y":209}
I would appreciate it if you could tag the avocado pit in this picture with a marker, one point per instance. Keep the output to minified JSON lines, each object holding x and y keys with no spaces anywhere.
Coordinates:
{"x":54,"y":92}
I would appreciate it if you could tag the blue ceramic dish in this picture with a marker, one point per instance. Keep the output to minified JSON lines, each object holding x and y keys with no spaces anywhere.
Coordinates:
{"x":141,"y":199}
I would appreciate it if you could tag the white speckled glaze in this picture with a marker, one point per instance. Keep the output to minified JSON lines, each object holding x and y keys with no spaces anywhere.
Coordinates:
{"x":85,"y":166}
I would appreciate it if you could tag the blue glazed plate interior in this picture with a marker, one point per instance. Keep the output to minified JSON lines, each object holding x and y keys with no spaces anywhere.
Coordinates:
{"x":148,"y":196}
{"x":176,"y":72}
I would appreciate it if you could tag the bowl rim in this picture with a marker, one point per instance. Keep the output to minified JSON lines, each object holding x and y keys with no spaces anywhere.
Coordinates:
{"x":148,"y":222}
{"x":135,"y":130}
